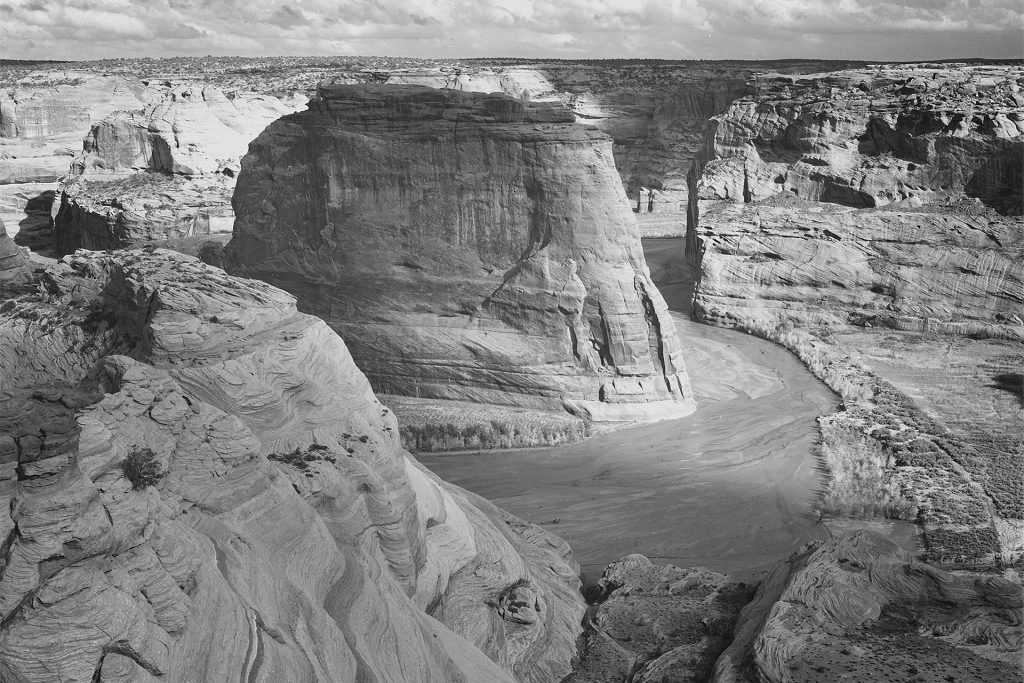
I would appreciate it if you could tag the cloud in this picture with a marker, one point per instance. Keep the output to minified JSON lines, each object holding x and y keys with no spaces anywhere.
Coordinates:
{"x":673,"y":29}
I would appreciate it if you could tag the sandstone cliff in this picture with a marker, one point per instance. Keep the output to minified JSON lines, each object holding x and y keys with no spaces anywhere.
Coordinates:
{"x":889,"y":196}
{"x":282,"y":534}
{"x":860,"y":607}
{"x":468,"y":246}
{"x":161,"y":172}
{"x":15,"y":268}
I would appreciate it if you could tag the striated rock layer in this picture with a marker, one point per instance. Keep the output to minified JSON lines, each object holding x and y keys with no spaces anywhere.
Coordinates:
{"x":859,"y":607}
{"x":285,"y":535}
{"x":162,"y":172}
{"x":468,"y":246}
{"x":889,"y":196}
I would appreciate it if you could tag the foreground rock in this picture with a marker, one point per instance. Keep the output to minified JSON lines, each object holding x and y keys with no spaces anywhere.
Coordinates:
{"x":283,"y":532}
{"x":658,"y":623}
{"x":469,"y":246}
{"x":861,"y":607}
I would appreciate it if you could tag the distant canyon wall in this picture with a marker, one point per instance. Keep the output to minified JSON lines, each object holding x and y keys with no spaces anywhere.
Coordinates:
{"x":889,"y":196}
{"x":470,"y":246}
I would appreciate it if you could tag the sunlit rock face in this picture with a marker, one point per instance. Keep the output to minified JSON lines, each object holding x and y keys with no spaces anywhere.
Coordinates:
{"x":164,"y":171}
{"x":860,"y":606}
{"x":15,"y":268}
{"x":285,"y":536}
{"x":467,"y":246}
{"x":889,"y":196}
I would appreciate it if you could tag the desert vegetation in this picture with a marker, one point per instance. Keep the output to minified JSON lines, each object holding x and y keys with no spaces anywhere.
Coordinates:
{"x":432,"y":426}
{"x":889,"y":458}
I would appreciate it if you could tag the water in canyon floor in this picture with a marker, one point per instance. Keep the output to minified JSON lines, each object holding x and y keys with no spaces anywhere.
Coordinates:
{"x":731,"y":487}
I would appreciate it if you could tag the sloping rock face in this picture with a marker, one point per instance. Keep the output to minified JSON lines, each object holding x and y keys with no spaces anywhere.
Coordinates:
{"x":15,"y":268}
{"x":161,"y":172}
{"x":283,"y":535}
{"x":469,"y":246}
{"x":860,"y":607}
{"x":897,"y":191}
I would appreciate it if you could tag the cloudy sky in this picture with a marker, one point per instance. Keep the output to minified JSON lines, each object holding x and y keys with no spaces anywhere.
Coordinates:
{"x":673,"y":29}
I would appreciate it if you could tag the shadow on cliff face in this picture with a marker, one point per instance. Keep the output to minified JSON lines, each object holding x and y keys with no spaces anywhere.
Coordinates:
{"x":35,"y":230}
{"x":999,"y":184}
{"x":1012,"y":382}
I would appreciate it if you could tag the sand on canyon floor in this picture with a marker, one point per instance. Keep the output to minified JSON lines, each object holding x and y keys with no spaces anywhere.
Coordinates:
{"x":732,"y":487}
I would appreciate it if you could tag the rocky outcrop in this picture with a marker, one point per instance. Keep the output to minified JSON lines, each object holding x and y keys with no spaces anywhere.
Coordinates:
{"x":163,"y":172}
{"x":201,"y":486}
{"x":859,"y":606}
{"x":654,"y":623}
{"x":897,"y":190}
{"x":14,"y":261}
{"x":190,"y":130}
{"x":100,"y":212}
{"x":469,"y":246}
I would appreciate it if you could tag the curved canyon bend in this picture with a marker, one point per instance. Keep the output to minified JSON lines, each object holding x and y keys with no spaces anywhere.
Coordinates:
{"x":731,"y":488}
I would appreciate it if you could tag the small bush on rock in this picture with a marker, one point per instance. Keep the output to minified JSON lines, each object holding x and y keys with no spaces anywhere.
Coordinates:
{"x":142,"y":468}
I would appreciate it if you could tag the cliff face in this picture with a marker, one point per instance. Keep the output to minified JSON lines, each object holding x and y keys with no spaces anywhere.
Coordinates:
{"x":15,"y":268}
{"x":283,"y":533}
{"x":68,"y":105}
{"x":896,"y":190}
{"x":161,"y":172}
{"x":470,"y":246}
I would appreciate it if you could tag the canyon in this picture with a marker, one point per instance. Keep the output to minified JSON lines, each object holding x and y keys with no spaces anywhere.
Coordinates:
{"x":471,"y":230}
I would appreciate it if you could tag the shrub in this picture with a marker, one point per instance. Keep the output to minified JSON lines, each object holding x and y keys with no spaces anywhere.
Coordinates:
{"x":142,"y":468}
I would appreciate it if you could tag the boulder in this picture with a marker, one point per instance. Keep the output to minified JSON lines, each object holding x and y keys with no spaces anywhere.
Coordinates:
{"x":470,"y":246}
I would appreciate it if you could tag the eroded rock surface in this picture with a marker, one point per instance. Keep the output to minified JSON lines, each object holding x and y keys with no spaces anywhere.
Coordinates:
{"x":860,"y":607}
{"x":786,"y":202}
{"x":469,"y":246}
{"x":162,"y":172}
{"x":286,"y":536}
{"x":659,"y":623}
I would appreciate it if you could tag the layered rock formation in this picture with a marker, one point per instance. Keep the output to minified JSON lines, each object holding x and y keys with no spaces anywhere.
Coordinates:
{"x":914,"y":178}
{"x":469,"y":246}
{"x":45,"y":105}
{"x":162,"y":172}
{"x":860,"y":607}
{"x":274,"y":530}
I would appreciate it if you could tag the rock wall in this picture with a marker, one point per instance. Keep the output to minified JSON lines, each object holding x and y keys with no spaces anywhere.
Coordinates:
{"x":885,"y":196}
{"x":161,"y":172}
{"x":469,"y":246}
{"x":281,"y":534}
{"x":859,"y":606}
{"x":69,"y":104}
